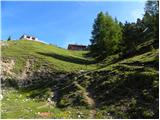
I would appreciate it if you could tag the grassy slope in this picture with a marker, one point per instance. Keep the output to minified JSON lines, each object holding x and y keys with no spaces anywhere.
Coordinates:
{"x":17,"y":105}
{"x":125,"y":89}
{"x":57,"y":58}
{"x":128,"y":88}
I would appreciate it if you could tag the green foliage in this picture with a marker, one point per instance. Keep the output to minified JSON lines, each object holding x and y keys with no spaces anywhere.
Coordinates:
{"x":64,"y":102}
{"x":41,"y":94}
{"x":151,"y":7}
{"x":106,"y":35}
{"x":151,"y":19}
{"x":148,"y":114}
{"x":133,"y":103}
{"x":147,"y":29}
{"x":80,"y":100}
{"x":133,"y":35}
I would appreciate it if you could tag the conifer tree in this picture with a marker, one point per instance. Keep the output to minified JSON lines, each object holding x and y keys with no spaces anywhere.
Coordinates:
{"x":106,"y":35}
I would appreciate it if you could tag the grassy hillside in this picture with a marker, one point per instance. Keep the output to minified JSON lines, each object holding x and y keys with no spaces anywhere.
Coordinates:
{"x":17,"y":105}
{"x":126,"y":89}
{"x":56,"y":58}
{"x":114,"y":88}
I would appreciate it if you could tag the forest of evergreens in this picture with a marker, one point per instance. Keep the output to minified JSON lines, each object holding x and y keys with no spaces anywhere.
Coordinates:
{"x":109,"y":36}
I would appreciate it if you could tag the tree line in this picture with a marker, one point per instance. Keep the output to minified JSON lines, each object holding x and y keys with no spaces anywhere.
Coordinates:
{"x":109,"y":36}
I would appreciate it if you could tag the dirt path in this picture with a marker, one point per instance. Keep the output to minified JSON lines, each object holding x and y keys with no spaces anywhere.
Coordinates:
{"x":91,"y":103}
{"x":92,"y":114}
{"x":89,"y":98}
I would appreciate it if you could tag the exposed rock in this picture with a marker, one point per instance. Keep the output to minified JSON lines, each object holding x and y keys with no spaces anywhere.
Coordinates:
{"x":7,"y":66}
{"x":3,"y":43}
{"x":27,"y":70}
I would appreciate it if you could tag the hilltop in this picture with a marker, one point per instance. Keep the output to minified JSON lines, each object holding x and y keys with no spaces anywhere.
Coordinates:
{"x":57,"y":58}
{"x":44,"y":81}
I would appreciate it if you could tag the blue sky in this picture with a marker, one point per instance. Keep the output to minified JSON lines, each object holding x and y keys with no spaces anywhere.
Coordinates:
{"x":62,"y":23}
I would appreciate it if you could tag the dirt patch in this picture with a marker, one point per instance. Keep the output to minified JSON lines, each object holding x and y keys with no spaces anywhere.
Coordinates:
{"x":7,"y":67}
{"x":44,"y":114}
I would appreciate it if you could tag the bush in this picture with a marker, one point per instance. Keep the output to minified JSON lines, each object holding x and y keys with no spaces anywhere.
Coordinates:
{"x":147,"y":114}
{"x":41,"y":94}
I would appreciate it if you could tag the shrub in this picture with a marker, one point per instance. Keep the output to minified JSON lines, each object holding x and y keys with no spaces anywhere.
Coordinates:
{"x":148,"y":114}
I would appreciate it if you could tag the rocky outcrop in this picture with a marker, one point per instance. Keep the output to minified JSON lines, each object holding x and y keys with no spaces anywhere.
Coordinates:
{"x":29,"y":75}
{"x":7,"y":66}
{"x":3,"y":43}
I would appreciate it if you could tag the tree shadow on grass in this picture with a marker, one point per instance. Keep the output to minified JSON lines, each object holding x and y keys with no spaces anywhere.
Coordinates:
{"x":68,"y":58}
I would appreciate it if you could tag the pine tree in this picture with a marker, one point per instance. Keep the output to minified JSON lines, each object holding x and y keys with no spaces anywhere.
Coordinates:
{"x":151,"y":19}
{"x":106,"y":35}
{"x":9,"y":38}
